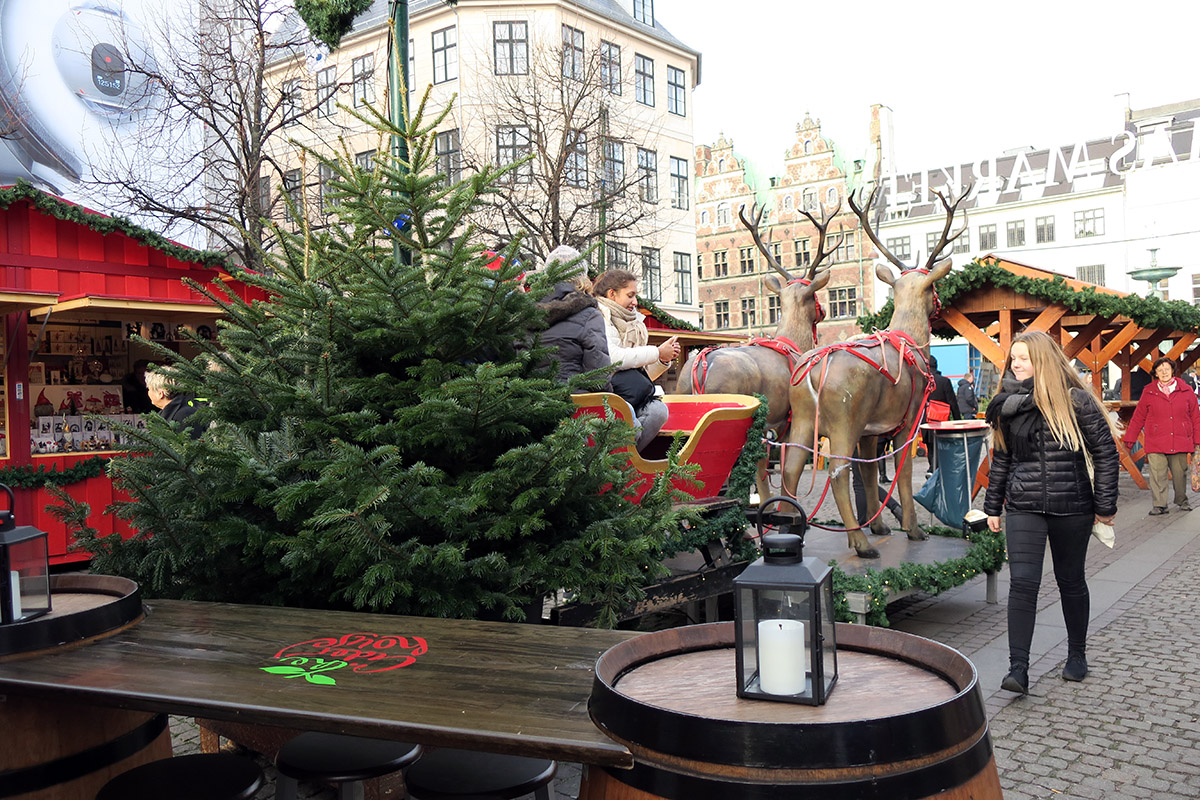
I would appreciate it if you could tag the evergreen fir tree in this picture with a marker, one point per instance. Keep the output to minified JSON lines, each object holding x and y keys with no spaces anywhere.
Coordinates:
{"x":379,"y":435}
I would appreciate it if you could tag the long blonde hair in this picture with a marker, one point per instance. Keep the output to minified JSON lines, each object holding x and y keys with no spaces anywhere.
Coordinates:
{"x":1053,"y":379}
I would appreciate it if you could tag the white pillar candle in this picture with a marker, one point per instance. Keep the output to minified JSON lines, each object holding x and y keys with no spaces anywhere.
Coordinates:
{"x":14,"y":580}
{"x":781,"y":661}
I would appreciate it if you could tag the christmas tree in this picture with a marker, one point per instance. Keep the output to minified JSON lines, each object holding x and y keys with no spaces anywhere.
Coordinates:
{"x":379,"y":435}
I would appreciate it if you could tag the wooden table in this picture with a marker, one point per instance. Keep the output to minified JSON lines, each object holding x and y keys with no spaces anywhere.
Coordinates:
{"x":506,"y":688}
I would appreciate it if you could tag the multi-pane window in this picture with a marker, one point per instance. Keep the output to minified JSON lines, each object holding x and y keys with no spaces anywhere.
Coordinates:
{"x":572,"y":53}
{"x":803,"y":256}
{"x":900,"y":247}
{"x":809,"y":200}
{"x":614,"y":164}
{"x":264,"y":195}
{"x":987,"y":237}
{"x":962,"y":242}
{"x":676,"y":92}
{"x":291,"y":187}
{"x":412,"y":67}
{"x":643,"y":79}
{"x":1196,"y":288}
{"x":775,"y":248}
{"x":724,"y":215}
{"x":721,"y":264}
{"x":445,"y":54}
{"x":843,"y":303}
{"x":721,"y":314}
{"x":290,"y":98}
{"x":325,"y":188}
{"x":326,"y":92}
{"x":575,"y":170}
{"x":1089,"y":223}
{"x":1093,"y":273}
{"x":749,"y":316}
{"x":845,"y":250}
{"x":679,"y":182}
{"x":510,"y":47}
{"x":746,"y":260}
{"x":1045,"y":230}
{"x":699,"y":265}
{"x":610,"y":67}
{"x":774,"y":305}
{"x":831,"y":196}
{"x":512,"y":145}
{"x":1016,"y":232}
{"x":648,"y":169}
{"x":651,"y":274}
{"x":643,"y":11}
{"x":683,"y":278}
{"x":365,"y":160}
{"x":362,"y":76}
{"x":449,"y":155}
{"x":617,"y":255}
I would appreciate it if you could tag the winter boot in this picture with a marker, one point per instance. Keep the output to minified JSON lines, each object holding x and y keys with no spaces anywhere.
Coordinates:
{"x":1017,"y":679}
{"x":1076,"y":666}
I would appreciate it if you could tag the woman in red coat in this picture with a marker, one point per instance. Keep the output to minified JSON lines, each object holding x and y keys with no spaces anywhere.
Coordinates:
{"x":1170,"y":413}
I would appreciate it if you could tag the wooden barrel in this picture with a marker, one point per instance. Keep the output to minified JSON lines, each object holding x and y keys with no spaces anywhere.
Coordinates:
{"x":66,"y":749}
{"x":906,"y":720}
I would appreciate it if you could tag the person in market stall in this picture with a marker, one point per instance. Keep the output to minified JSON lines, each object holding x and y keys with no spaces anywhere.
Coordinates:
{"x":173,"y":406}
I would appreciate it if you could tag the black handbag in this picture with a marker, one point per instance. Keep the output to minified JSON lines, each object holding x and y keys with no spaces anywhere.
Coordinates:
{"x":634,"y":385}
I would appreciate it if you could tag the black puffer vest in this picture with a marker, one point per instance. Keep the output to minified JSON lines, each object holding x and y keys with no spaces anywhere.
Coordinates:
{"x":1037,"y":475}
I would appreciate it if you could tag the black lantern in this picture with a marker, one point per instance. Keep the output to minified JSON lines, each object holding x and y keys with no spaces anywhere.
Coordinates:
{"x":784,"y":630}
{"x":24,"y":569}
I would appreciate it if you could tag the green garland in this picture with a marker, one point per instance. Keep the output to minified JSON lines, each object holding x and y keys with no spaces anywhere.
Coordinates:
{"x":69,"y":212}
{"x":1148,"y":312}
{"x":730,"y":525}
{"x":986,"y":554}
{"x":665,"y":318}
{"x":31,"y":477}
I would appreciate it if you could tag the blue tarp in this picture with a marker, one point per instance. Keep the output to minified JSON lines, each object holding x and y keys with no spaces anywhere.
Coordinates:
{"x":947,"y":493}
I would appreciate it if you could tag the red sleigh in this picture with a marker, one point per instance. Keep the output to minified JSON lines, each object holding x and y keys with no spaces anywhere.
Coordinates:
{"x":715,"y":426}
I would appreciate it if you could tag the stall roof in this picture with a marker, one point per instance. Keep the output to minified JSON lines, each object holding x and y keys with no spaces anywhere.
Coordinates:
{"x":133,"y":308}
{"x":12,"y":300}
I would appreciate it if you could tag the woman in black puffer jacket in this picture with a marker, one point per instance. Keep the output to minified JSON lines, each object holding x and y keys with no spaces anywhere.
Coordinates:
{"x":1047,"y":427}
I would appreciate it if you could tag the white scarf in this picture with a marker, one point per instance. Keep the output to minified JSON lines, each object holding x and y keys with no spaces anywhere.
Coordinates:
{"x":628,"y":321}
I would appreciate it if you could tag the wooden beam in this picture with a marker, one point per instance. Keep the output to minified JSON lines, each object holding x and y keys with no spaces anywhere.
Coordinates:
{"x":1085,"y":336}
{"x":1149,"y":346}
{"x":1187,"y":359}
{"x":1181,"y":346}
{"x":1006,"y":329}
{"x":978,"y":339}
{"x":1118,"y":342}
{"x":1047,"y":319}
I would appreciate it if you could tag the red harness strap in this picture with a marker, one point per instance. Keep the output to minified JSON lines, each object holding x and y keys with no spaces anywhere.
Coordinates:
{"x":780,"y":344}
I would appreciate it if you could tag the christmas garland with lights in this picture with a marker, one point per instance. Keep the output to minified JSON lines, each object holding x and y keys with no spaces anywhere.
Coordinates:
{"x":1148,"y":312}
{"x":986,"y":554}
{"x":69,"y":212}
{"x":37,"y":477}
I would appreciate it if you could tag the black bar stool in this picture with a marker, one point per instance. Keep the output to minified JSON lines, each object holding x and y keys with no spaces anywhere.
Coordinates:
{"x":335,"y":758}
{"x":447,"y":774}
{"x":217,"y":776}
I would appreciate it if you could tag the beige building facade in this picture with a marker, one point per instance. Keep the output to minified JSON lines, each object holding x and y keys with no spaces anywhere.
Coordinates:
{"x":597,"y":91}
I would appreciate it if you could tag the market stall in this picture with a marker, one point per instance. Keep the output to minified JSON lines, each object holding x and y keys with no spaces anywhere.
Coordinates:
{"x":75,"y":288}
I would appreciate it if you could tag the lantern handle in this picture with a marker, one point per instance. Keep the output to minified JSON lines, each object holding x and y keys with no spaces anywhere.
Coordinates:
{"x":784,"y":498}
{"x":8,"y":519}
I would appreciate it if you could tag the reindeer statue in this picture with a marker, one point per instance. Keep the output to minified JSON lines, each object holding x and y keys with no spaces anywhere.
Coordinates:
{"x":764,"y":366}
{"x":853,"y":392}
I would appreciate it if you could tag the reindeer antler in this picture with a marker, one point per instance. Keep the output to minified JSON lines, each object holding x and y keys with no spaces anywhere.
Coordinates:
{"x":822,"y":227}
{"x":762,"y":247}
{"x":861,"y":213}
{"x":951,"y":210}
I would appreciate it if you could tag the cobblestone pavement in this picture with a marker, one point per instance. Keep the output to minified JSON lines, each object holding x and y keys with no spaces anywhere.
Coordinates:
{"x":1130,"y":730}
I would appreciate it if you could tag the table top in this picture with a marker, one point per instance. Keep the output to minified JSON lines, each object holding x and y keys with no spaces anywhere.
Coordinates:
{"x":500,"y":687}
{"x":956,"y":426}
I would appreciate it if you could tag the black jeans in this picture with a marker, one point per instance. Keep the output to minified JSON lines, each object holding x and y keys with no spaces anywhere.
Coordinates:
{"x":1027,"y":535}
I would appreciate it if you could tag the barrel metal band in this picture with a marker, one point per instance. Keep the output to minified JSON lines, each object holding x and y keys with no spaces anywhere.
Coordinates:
{"x":925,"y":781}
{"x":62,"y":770}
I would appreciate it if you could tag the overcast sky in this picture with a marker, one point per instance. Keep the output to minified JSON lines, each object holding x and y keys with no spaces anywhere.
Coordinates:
{"x":962,"y":83}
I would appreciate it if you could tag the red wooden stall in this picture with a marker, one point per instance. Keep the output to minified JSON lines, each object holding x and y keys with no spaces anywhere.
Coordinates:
{"x":73,"y":284}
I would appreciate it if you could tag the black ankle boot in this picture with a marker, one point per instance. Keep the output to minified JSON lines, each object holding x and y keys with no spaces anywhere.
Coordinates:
{"x":1017,"y":679}
{"x":1076,"y":666}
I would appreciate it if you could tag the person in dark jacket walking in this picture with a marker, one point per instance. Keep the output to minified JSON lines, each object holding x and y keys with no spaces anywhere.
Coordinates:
{"x":943,"y":390}
{"x":968,"y":403}
{"x":575,"y":327}
{"x":1170,"y":414}
{"x":1054,"y":471}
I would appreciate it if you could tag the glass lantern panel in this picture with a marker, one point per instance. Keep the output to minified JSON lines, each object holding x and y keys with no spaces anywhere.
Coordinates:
{"x":785,"y":640}
{"x":29,"y":577}
{"x":829,"y":648}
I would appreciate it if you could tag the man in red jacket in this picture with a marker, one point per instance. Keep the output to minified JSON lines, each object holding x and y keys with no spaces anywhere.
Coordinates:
{"x":1170,"y":414}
